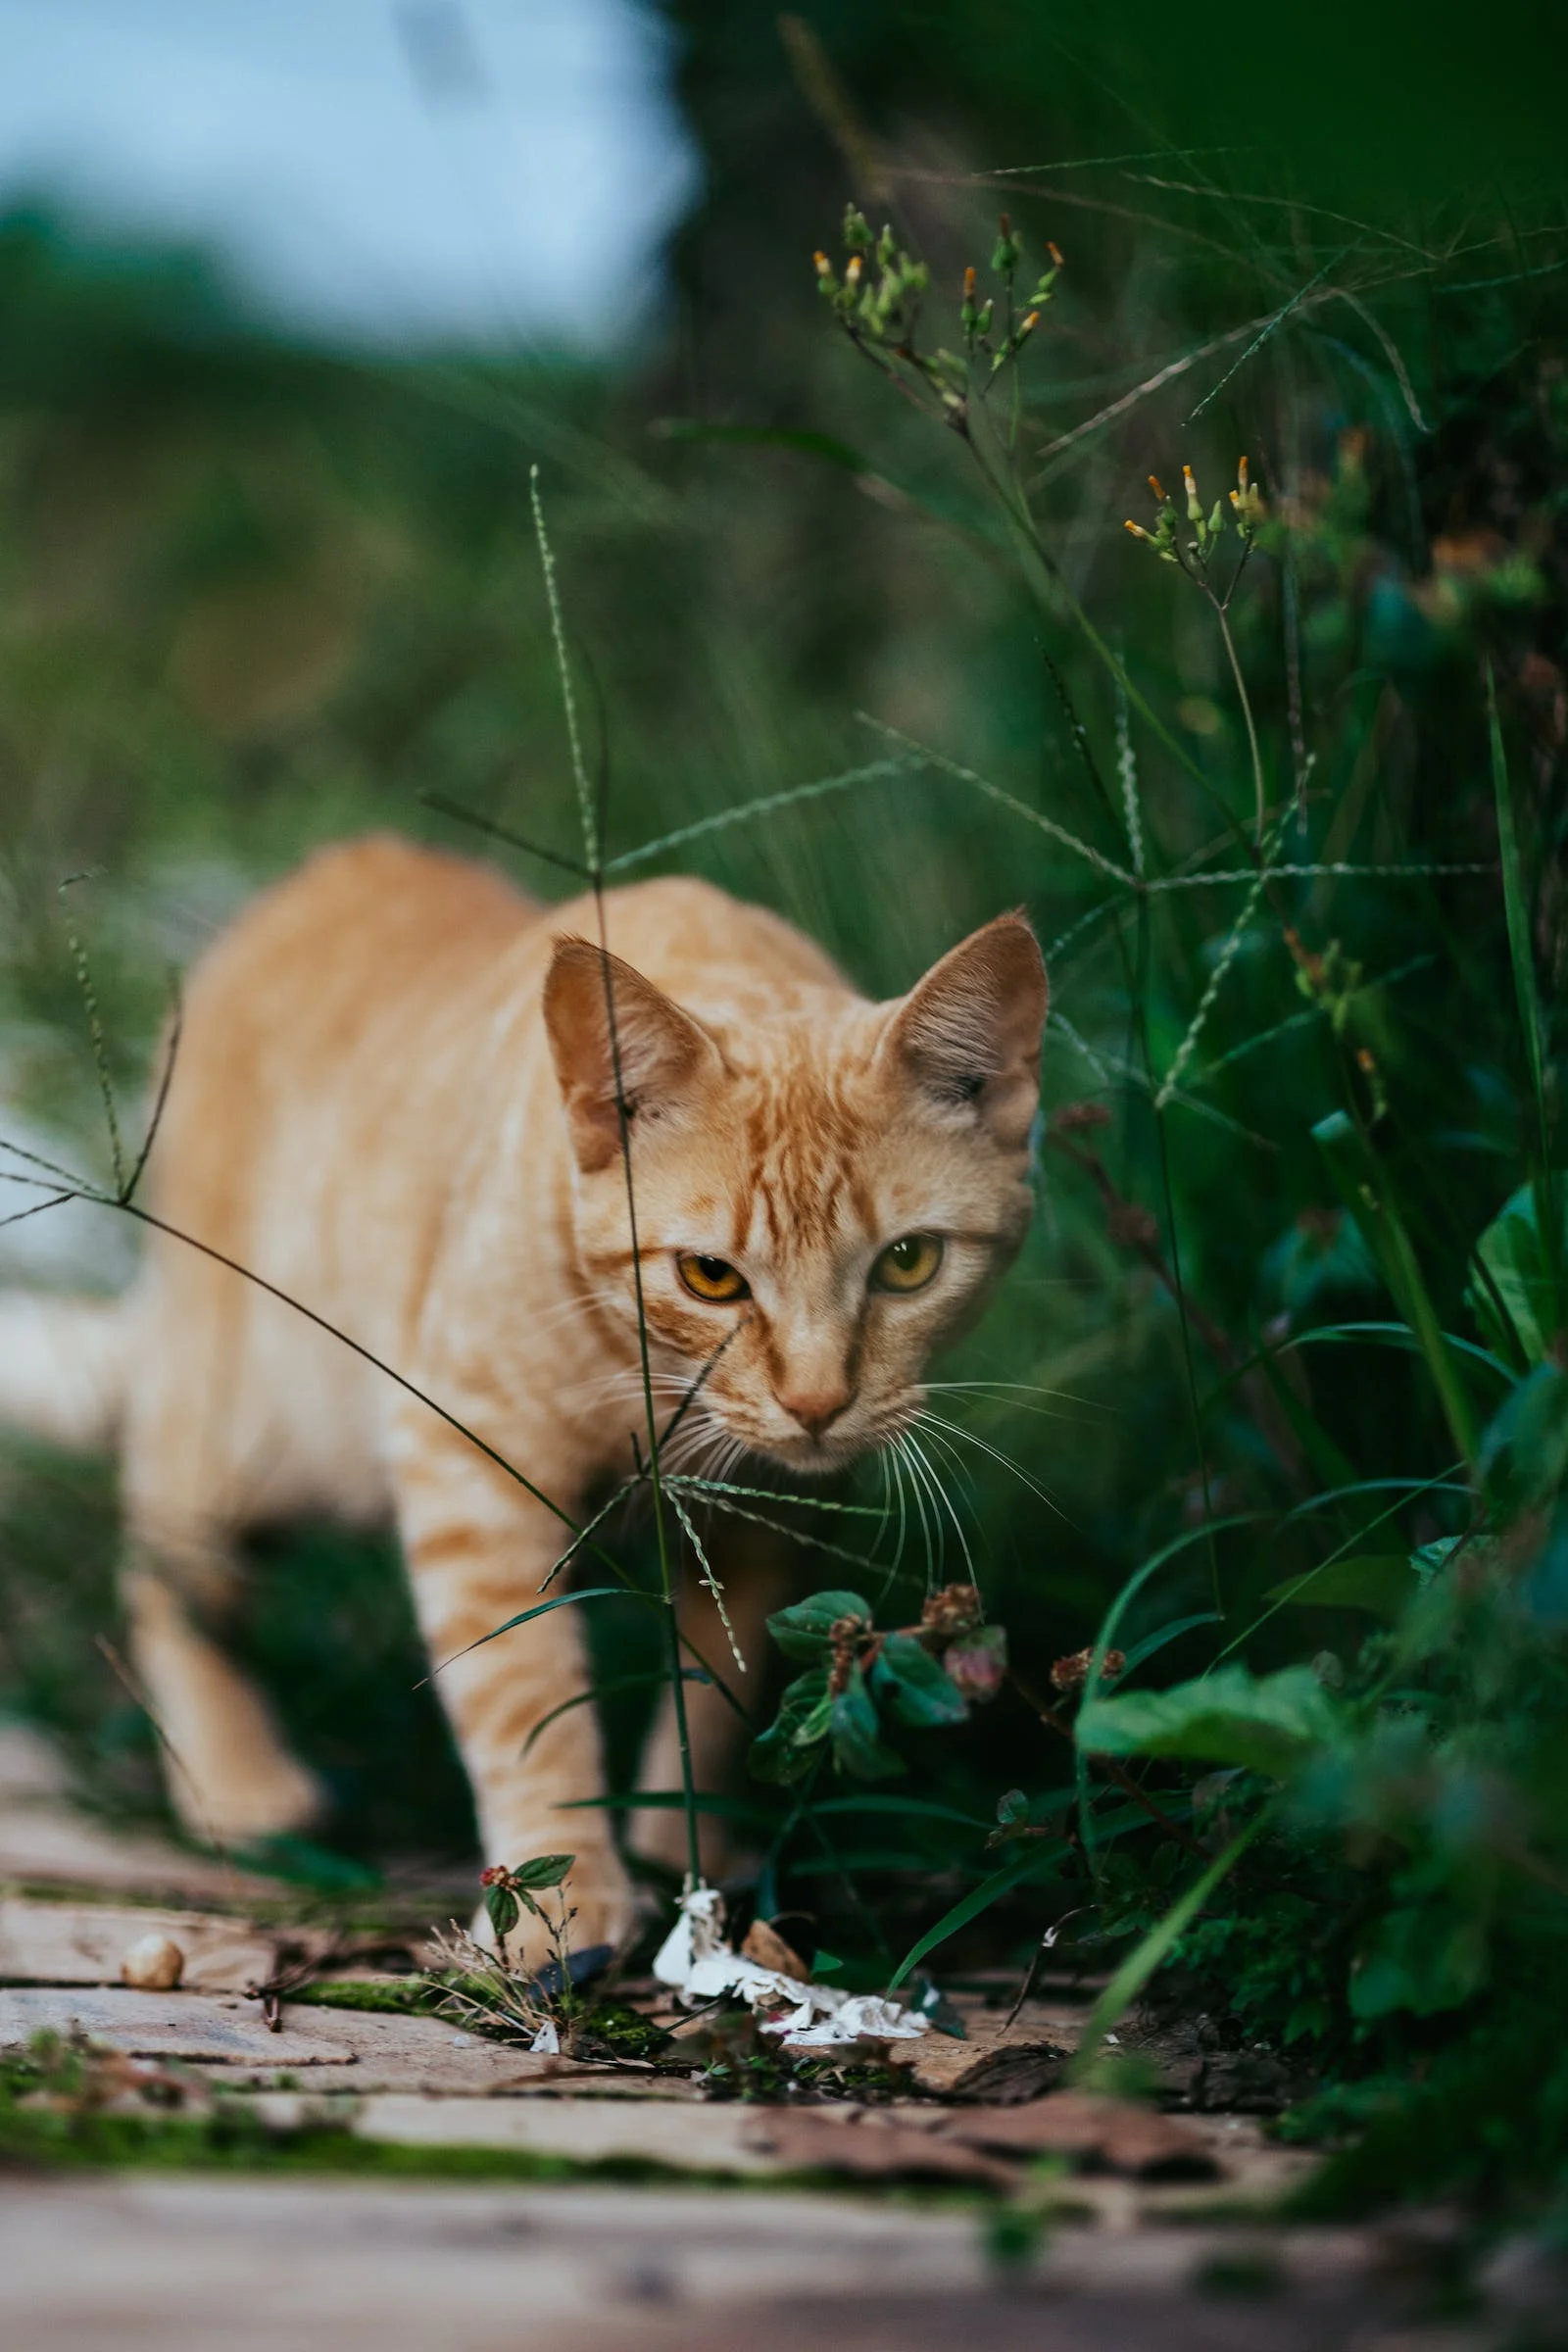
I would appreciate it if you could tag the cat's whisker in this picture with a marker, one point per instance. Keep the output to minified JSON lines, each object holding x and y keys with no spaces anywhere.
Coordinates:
{"x":887,"y":1495}
{"x":1002,"y":1396}
{"x":896,"y":1464}
{"x":918,"y":1496}
{"x":1020,"y":1388}
{"x":958,"y":1524}
{"x":564,"y":1310}
{"x":941,"y":1502}
{"x":966,"y":1491}
{"x":956,"y":1429}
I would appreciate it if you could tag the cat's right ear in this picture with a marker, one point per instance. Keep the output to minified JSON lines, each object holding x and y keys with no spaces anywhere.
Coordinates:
{"x":655,"y":1050}
{"x":968,"y":1034}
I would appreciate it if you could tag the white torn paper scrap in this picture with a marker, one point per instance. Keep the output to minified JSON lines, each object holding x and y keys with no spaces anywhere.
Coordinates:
{"x":699,"y":1962}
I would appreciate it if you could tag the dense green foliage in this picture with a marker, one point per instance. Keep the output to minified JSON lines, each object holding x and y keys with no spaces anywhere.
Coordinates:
{"x":1271,"y":1420}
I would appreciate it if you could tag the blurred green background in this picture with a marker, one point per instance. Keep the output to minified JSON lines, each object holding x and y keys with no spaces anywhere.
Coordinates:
{"x":260,"y":588}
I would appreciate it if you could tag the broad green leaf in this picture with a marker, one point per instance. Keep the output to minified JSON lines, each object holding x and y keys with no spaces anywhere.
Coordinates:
{"x":915,"y":1685}
{"x":502,"y":1905}
{"x":1511,"y":1250}
{"x":1318,"y":1255}
{"x":1542,"y":1590}
{"x":1380,"y":1583}
{"x":1424,"y":1957}
{"x":1272,"y":1725}
{"x":545,"y":1870}
{"x":804,"y":1632}
{"x":1524,"y":1453}
{"x":858,"y":1745}
{"x":783,"y":1753}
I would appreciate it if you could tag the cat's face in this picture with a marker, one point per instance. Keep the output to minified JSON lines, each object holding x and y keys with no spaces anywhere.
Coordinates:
{"x":821,"y":1198}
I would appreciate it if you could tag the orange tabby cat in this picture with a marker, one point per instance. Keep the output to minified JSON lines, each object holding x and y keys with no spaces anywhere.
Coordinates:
{"x":396,"y":1099}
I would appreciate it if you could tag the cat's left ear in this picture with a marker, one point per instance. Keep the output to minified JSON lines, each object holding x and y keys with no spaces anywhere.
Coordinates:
{"x":968,"y":1035}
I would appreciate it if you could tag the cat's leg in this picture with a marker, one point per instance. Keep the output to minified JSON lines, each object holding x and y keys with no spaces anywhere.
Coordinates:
{"x":755,"y":1571}
{"x":230,"y":1775}
{"x":478,"y":1546}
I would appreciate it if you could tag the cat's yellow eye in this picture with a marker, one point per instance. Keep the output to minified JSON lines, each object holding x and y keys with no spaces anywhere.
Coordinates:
{"x":909,"y":1264}
{"x":712,"y":1279}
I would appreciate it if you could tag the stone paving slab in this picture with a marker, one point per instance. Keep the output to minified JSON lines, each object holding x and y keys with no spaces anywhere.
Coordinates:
{"x":229,"y":2036}
{"x":174,"y":2264}
{"x":158,"y":2264}
{"x":166,"y":2025}
{"x":907,"y":2139}
{"x":84,"y":1943}
{"x":698,"y":2137}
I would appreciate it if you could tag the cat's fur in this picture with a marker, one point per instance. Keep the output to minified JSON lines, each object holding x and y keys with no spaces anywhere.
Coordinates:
{"x":395,"y":1100}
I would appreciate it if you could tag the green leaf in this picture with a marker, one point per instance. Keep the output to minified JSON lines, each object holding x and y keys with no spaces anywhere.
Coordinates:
{"x":858,"y":1747}
{"x":1424,"y":1957}
{"x":915,"y":1685}
{"x":1380,"y":1583}
{"x":806,"y":1631}
{"x":502,"y":1905}
{"x":1270,"y":1726}
{"x":783,"y":1753}
{"x":1513,"y":1252}
{"x":1524,"y":1453}
{"x":545,"y":1870}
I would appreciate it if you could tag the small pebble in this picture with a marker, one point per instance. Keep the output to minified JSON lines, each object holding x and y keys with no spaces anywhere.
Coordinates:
{"x":153,"y":1964}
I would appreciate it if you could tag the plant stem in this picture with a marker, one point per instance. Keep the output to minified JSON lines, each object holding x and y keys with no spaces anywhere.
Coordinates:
{"x":1056,"y":1721}
{"x":677,"y":1681}
{"x":1259,"y":794}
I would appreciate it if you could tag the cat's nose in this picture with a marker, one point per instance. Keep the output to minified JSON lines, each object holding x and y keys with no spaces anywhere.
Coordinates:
{"x":815,"y":1409}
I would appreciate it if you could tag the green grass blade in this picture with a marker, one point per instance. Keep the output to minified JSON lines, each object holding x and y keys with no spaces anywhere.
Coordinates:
{"x":1363,"y":1186}
{"x":1548,"y":1225}
{"x":1141,"y":1963}
{"x":979,"y":1898}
